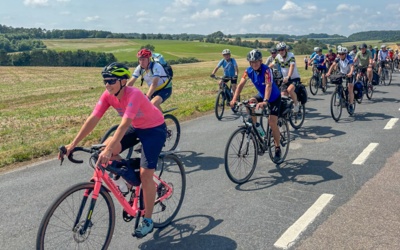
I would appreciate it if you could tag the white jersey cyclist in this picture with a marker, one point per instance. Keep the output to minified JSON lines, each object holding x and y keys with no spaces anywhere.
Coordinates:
{"x":285,"y":64}
{"x":155,"y":70}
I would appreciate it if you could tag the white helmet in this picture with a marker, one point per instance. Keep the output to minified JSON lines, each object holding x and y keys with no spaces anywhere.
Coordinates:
{"x":383,"y":46}
{"x":316,"y":49}
{"x":226,"y":51}
{"x":281,"y":46}
{"x":341,"y":50}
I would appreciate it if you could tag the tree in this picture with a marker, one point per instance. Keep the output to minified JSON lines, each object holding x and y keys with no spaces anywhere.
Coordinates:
{"x":5,"y":59}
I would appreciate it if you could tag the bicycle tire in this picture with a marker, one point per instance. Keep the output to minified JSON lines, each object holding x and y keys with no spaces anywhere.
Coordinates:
{"x":170,"y":169}
{"x":128,"y":152}
{"x":348,"y":107}
{"x":220,"y":105}
{"x":236,"y":167}
{"x":314,"y":85}
{"x":284,"y":141}
{"x":324,"y":89}
{"x":173,"y":132}
{"x":336,"y":106}
{"x":297,"y":119}
{"x":59,"y":207}
{"x":390,"y":75}
{"x":369,"y":91}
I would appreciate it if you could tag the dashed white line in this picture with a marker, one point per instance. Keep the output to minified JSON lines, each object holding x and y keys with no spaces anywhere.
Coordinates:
{"x":391,"y":123}
{"x":293,"y":232}
{"x":365,"y":153}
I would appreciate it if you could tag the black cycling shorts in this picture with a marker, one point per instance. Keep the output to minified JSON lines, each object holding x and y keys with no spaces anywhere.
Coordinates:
{"x":273,"y":106}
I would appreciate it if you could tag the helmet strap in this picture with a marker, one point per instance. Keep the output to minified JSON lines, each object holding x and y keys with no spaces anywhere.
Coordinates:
{"x":120,"y":88}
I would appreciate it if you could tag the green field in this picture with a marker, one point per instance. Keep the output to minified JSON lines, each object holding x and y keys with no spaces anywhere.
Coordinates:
{"x":44,"y":107}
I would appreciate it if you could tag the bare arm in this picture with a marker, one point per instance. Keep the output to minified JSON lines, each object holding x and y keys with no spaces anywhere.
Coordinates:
{"x":131,"y":81}
{"x":153,"y":87}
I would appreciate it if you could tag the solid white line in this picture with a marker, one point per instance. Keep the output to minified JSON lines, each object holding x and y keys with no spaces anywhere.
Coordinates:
{"x":365,"y":153}
{"x":391,"y":123}
{"x":293,"y":232}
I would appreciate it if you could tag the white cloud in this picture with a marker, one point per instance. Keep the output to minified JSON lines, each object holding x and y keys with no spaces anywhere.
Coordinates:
{"x":291,"y":6}
{"x":142,"y":13}
{"x":206,"y":14}
{"x":290,"y":11}
{"x":143,"y":20}
{"x":347,"y":7}
{"x":189,"y":25}
{"x":64,"y":1}
{"x":187,"y":3}
{"x":250,"y":17}
{"x":354,"y":26}
{"x":167,"y":19}
{"x":237,"y":2}
{"x":92,"y":18}
{"x":35,"y":3}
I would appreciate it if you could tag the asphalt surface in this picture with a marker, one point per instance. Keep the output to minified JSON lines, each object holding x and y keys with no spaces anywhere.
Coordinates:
{"x":361,"y":213}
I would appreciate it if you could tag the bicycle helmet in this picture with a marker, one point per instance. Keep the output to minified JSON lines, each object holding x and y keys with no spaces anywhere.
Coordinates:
{"x":354,"y":47}
{"x":383,"y":46}
{"x":330,"y":50}
{"x":254,"y":55}
{"x":226,"y":51}
{"x":342,"y":50}
{"x":144,"y":53}
{"x":116,"y":69}
{"x":273,"y":50}
{"x":363,"y":46}
{"x":316,"y":49}
{"x":281,"y":46}
{"x":376,"y":47}
{"x":319,"y":50}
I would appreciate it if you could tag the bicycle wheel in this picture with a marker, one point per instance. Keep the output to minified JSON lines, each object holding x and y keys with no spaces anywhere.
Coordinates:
{"x":241,"y":155}
{"x":348,"y":107}
{"x":369,"y":91}
{"x":170,"y":169}
{"x":173,"y":132}
{"x":220,"y":105}
{"x":110,"y":132}
{"x":62,"y":224}
{"x":324,"y":88}
{"x":284,"y":140}
{"x":389,"y":79}
{"x":297,"y":119}
{"x":336,"y":106}
{"x":314,"y":85}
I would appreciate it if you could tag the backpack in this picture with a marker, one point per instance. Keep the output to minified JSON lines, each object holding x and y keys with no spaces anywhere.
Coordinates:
{"x":358,"y":90}
{"x":301,"y":92}
{"x":336,"y":78}
{"x":158,"y":58}
{"x":375,"y":78}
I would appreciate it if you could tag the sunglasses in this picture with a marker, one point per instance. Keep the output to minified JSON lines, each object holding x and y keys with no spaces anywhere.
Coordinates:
{"x":281,"y":49}
{"x":341,"y":54}
{"x":110,"y":81}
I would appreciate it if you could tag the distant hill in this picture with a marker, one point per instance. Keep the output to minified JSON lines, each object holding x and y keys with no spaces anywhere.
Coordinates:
{"x":383,"y":35}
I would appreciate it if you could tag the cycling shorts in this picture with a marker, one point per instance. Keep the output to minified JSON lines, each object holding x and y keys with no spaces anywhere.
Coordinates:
{"x":164,"y":93}
{"x":274,"y":106}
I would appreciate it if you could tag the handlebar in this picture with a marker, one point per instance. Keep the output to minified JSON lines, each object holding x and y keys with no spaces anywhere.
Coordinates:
{"x":250,"y":106}
{"x":94,"y":150}
{"x":225,"y":78}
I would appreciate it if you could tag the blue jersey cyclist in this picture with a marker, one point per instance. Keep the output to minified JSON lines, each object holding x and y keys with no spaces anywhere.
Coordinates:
{"x":230,"y":67}
{"x":319,"y":61}
{"x":160,"y":86}
{"x":268,"y":93}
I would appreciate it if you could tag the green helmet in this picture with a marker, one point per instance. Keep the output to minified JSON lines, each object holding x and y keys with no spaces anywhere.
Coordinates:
{"x":116,"y":69}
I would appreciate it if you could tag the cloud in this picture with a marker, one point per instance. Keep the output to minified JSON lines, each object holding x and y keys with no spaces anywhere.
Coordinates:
{"x":291,"y":6}
{"x":250,"y":17}
{"x":290,"y":11}
{"x":347,"y":7}
{"x":187,"y":3}
{"x":167,"y":19}
{"x":92,"y":18}
{"x":238,"y":2}
{"x":189,"y":25}
{"x":143,"y":20}
{"x":64,"y":1}
{"x":35,"y":3}
{"x":142,"y":13}
{"x":206,"y":14}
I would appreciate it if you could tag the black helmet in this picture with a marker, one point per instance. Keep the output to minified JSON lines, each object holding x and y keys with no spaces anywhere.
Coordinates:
{"x":354,"y":47}
{"x":330,"y":50}
{"x":116,"y":69}
{"x":363,"y":46}
{"x":254,"y":55}
{"x":273,"y":50}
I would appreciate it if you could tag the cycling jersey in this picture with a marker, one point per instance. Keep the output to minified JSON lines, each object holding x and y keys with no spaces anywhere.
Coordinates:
{"x":229,"y":67}
{"x":258,"y":79}
{"x":318,"y":61}
{"x":155,"y":70}
{"x":344,"y":65}
{"x":363,"y":59}
{"x":269,"y":60}
{"x":382,"y":55}
{"x":133,"y":105}
{"x":331,"y":58}
{"x":285,"y":65}
{"x":373,"y":51}
{"x":391,"y":55}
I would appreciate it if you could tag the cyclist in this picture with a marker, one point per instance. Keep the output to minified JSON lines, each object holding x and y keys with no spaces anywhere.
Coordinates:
{"x":287,"y":63}
{"x":271,"y":58}
{"x":268,"y":93}
{"x":140,"y":120}
{"x":397,"y":58}
{"x":365,"y":61}
{"x":330,"y":56}
{"x":346,"y":67}
{"x":276,"y":69}
{"x":373,"y":51}
{"x":376,"y":54}
{"x":230,"y":66}
{"x":160,"y":86}
{"x":319,"y":61}
{"x":382,"y":56}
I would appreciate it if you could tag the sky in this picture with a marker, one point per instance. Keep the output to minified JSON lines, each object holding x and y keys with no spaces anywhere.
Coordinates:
{"x":204,"y":17}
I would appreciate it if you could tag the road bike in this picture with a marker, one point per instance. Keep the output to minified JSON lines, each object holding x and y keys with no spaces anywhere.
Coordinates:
{"x":224,"y":97}
{"x":316,"y":81}
{"x":173,"y":133}
{"x":246,"y":144}
{"x":340,"y":98}
{"x":368,"y":88}
{"x":386,"y":74}
{"x":83,"y":217}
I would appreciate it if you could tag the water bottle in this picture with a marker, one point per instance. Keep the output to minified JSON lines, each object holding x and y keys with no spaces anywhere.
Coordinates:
{"x":260,"y":129}
{"x":121,"y":184}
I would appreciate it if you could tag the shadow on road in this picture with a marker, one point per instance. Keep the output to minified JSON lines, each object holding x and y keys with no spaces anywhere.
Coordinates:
{"x":302,"y":171}
{"x":312,"y":114}
{"x":189,"y":233}
{"x":194,"y":161}
{"x":366,"y":116}
{"x":315,"y":132}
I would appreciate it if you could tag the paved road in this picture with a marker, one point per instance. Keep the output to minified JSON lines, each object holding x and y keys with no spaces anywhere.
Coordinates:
{"x":259,"y":214}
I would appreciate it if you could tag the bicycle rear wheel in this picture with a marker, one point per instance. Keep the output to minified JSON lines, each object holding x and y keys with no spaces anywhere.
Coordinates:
{"x":220,"y":105}
{"x":110,"y":132}
{"x":241,"y":154}
{"x":297,"y":119}
{"x":170,"y":169}
{"x":63,"y":222}
{"x":314,"y":85}
{"x":173,"y":132}
{"x":284,"y":141}
{"x":336,"y":106}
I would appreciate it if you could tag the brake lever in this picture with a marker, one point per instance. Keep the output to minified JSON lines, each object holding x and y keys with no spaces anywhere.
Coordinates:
{"x":63,"y":151}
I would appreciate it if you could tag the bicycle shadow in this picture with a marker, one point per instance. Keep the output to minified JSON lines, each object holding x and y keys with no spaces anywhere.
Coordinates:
{"x":312,"y":115}
{"x":189,"y":233}
{"x":194,"y":161}
{"x":231,"y":117}
{"x":367,"y":116}
{"x":384,"y":99}
{"x":315,"y":132}
{"x":301,"y":170}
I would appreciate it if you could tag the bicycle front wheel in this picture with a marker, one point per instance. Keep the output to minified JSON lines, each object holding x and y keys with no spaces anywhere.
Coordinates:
{"x":241,"y":154}
{"x":110,"y":132}
{"x":314,"y":85}
{"x":369,"y":91}
{"x":62,"y":226}
{"x":170,"y":191}
{"x":297,"y":119}
{"x":389,"y":80}
{"x":220,"y":105}
{"x":173,"y":132}
{"x":336,"y":106}
{"x":284,"y":141}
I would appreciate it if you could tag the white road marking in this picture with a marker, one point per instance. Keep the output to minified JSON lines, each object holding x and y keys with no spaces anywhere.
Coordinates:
{"x":365,"y":153}
{"x":391,"y":123}
{"x":289,"y":237}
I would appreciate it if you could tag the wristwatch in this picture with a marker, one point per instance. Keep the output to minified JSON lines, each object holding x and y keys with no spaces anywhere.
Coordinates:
{"x":265,"y":100}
